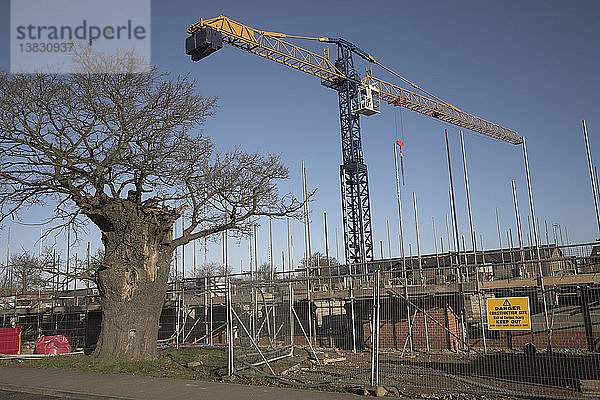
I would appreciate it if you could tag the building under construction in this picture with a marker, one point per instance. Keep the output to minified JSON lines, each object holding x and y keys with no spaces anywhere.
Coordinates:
{"x":387,"y":323}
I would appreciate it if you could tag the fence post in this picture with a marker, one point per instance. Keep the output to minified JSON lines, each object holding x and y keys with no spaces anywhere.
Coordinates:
{"x":206,"y":309}
{"x":211,"y":313}
{"x":373,"y":332}
{"x":291,"y":295}
{"x":177,"y":320}
{"x":377,"y":327}
{"x":350,"y":280}
{"x":310,"y":331}
{"x":229,"y":333}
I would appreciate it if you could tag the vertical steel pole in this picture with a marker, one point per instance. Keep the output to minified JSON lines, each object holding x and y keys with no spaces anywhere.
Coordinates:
{"x":509,"y":238}
{"x":455,"y":238}
{"x":271,"y":259}
{"x":455,"y":220}
{"x":562,"y":243}
{"x":437,"y":258}
{"x":68,"y":256}
{"x":597,"y":184}
{"x":402,"y":254}
{"x":75,"y":274}
{"x":418,"y":238}
{"x":87,"y":264}
{"x":289,"y":246}
{"x":530,"y":238}
{"x":592,"y":177}
{"x":499,"y":235}
{"x":176,"y":250}
{"x":255,"y":250}
{"x":448,"y":232}
{"x":292,"y":254}
{"x":537,"y":248}
{"x":307,"y":212}
{"x":464,"y":248}
{"x":481,"y":318}
{"x":337,"y":246}
{"x":538,"y":232}
{"x":453,"y":205}
{"x":464,"y":159}
{"x":387,"y":223}
{"x":304,"y":218}
{"x":519,"y":229}
{"x":327,"y":249}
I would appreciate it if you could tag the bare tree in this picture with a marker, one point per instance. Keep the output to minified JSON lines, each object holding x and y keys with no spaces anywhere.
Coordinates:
{"x":24,"y":273}
{"x":212,"y":269}
{"x":124,"y":150}
{"x":320,"y":265}
{"x":264,"y":273}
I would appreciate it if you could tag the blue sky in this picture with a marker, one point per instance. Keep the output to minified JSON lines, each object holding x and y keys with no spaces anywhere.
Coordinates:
{"x":530,"y":66}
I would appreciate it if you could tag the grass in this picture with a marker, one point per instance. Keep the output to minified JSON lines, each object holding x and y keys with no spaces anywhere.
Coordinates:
{"x":170,"y":363}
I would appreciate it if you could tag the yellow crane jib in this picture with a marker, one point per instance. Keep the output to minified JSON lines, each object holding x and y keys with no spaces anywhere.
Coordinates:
{"x":208,"y":36}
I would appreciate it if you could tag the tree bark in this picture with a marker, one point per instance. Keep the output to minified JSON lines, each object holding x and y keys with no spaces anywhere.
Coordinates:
{"x":133,"y":279}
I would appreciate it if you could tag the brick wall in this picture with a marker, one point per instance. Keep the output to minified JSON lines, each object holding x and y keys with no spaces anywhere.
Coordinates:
{"x":393,"y":334}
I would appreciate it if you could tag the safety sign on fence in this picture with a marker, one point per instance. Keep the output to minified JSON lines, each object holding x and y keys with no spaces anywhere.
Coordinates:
{"x":508,"y":313}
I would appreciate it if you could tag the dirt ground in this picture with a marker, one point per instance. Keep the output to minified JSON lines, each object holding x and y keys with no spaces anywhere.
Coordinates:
{"x":500,"y":375}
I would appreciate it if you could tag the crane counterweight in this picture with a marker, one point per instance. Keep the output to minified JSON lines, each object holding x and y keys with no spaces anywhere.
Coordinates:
{"x":203,"y":43}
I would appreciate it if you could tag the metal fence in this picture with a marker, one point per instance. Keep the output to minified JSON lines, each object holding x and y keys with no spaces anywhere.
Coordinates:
{"x":414,"y":325}
{"x":75,"y":315}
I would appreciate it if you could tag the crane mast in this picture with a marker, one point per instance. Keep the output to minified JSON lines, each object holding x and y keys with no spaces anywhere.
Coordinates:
{"x":354,"y":179}
{"x":356,"y":96}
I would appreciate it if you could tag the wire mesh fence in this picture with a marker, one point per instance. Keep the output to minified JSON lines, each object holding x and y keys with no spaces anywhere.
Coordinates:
{"x":414,"y":325}
{"x":76,"y":315}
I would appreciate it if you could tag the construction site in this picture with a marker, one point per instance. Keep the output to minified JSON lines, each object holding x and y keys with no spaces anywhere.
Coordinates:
{"x":406,"y":325}
{"x":521,"y":320}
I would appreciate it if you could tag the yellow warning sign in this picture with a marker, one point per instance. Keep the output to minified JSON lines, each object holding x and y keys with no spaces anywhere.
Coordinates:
{"x":508,"y":313}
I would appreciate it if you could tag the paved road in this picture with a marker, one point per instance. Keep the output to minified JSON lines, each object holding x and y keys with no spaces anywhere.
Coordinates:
{"x":89,"y":385}
{"x":4,"y":395}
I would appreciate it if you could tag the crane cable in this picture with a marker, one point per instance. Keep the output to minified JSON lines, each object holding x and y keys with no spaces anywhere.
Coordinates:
{"x":400,"y":141}
{"x":370,"y":58}
{"x":192,"y":28}
{"x":414,"y":85}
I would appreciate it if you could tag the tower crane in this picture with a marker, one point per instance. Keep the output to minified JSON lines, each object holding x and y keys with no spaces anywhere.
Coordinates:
{"x":357,"y":96}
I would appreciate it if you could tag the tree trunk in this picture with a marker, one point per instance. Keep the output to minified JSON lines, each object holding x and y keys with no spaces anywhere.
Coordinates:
{"x":132,"y":280}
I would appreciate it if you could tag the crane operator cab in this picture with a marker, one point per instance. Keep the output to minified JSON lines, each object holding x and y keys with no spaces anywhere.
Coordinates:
{"x":368,"y":100}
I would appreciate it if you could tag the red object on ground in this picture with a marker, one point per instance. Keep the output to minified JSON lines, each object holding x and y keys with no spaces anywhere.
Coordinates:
{"x":10,"y":340}
{"x":57,"y":344}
